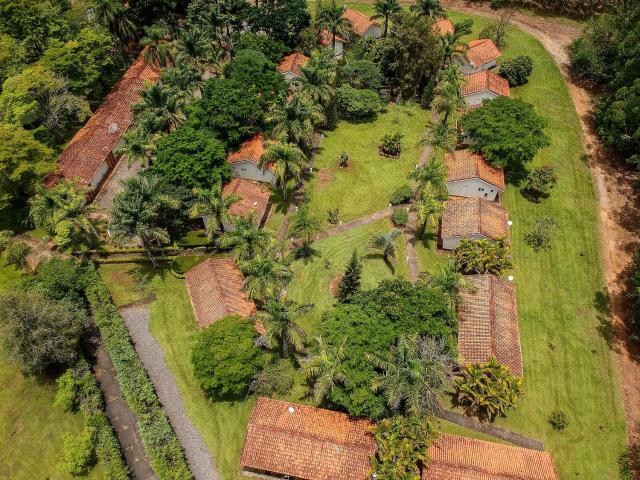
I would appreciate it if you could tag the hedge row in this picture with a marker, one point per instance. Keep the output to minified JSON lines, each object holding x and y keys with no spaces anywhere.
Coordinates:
{"x":160,"y":441}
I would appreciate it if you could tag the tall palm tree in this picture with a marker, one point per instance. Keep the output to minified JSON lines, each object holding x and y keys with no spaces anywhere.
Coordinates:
{"x":324,"y":369}
{"x":214,"y":205}
{"x":452,"y":47}
{"x":428,"y":8}
{"x":431,"y":178}
{"x":428,"y":209}
{"x":384,"y":9}
{"x":441,"y":136}
{"x":287,"y":162}
{"x":246,"y":240}
{"x":158,"y":48}
{"x":449,"y":281}
{"x":265,"y":276}
{"x":413,"y":375}
{"x":317,"y":78}
{"x":331,"y":18}
{"x":386,"y":243}
{"x":158,"y":109}
{"x":279,"y":318}
{"x":294,"y":120}
{"x":305,"y":226}
{"x":138,"y":145}
{"x":136,"y":213}
{"x":447,"y":98}
{"x":112,"y":14}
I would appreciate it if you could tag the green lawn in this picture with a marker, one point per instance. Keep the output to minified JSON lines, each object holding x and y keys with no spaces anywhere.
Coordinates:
{"x":366,"y":185}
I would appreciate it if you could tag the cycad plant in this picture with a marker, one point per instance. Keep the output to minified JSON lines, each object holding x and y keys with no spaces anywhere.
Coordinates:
{"x":323,"y":369}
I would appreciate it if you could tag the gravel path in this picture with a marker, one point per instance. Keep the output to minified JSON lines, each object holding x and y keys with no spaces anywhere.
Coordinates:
{"x":150,"y":352}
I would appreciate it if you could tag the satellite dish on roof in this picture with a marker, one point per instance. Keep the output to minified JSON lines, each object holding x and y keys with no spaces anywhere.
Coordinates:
{"x":291,"y":409}
{"x":112,"y":128}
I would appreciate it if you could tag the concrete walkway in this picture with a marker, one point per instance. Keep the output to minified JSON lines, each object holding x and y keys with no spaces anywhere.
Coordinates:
{"x":136,"y":318}
{"x":113,"y":184}
{"x":358,"y":222}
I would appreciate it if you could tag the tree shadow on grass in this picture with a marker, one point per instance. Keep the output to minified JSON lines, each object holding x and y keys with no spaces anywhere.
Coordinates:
{"x":379,"y":256}
{"x":601,"y":302}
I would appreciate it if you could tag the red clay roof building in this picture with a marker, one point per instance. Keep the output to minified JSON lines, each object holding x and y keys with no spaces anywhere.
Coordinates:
{"x":290,"y":65}
{"x":362,"y":25}
{"x":444,"y":26}
{"x":89,"y":155}
{"x":472,"y":218}
{"x":485,"y":81}
{"x":254,"y":198}
{"x":470,"y":175}
{"x":215,"y":290}
{"x":481,"y":52}
{"x":250,"y":150}
{"x":488,"y":323}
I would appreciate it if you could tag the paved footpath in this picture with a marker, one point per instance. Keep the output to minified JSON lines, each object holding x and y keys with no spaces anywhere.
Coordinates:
{"x":136,"y":318}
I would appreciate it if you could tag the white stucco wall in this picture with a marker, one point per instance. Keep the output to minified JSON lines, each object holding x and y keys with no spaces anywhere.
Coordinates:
{"x":450,"y":243}
{"x":251,"y":171}
{"x":466,"y":68}
{"x":477,"y":98}
{"x":473,"y":187}
{"x":339,"y":48}
{"x":99,"y":175}
{"x":289,"y":76}
{"x":373,"y":31}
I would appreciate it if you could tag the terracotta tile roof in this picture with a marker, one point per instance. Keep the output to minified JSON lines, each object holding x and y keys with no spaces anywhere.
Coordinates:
{"x":292,"y":63}
{"x":250,"y":151}
{"x":444,"y":26}
{"x":464,"y":217}
{"x":253,"y":198}
{"x":482,"y":51}
{"x":461,"y":458}
{"x":310,"y":443}
{"x":361,"y":23}
{"x":325,"y":38}
{"x":488,"y":323}
{"x":485,"y":81}
{"x":465,"y":164}
{"x":93,"y":143}
{"x":215,"y":290}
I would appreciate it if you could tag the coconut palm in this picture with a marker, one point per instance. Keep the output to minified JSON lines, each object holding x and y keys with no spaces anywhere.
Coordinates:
{"x":281,"y":330}
{"x":431,"y":178}
{"x":428,"y":8}
{"x":113,"y":15}
{"x":452,"y":47}
{"x":384,"y":9}
{"x":294,"y":120}
{"x":136,"y":213}
{"x":316,"y":78}
{"x":331,"y":18}
{"x":449,"y":281}
{"x":447,"y":98}
{"x":158,"y":49}
{"x":138,"y":145}
{"x":158,"y":109}
{"x":324,"y":369}
{"x":441,"y":136}
{"x":428,"y":209}
{"x":385,"y":242}
{"x":265,"y":276}
{"x":286,"y":161}
{"x":246,"y":240}
{"x":413,"y":375}
{"x":213,"y":205}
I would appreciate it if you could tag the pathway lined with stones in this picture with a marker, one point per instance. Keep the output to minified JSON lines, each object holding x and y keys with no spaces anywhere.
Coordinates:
{"x":136,"y":318}
{"x":358,"y":222}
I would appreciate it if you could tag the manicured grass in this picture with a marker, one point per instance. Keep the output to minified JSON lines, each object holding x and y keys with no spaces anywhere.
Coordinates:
{"x":121,"y":285}
{"x":366,"y":185}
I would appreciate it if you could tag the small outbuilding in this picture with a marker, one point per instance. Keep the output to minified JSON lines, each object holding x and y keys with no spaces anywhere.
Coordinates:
{"x":245,"y":162}
{"x":470,"y":175}
{"x":473,"y":218}
{"x":326,"y":39}
{"x":362,"y":25}
{"x":253,"y":200}
{"x":444,"y":26}
{"x":480,"y":55}
{"x":482,"y":86}
{"x":488,"y":323}
{"x":290,"y":65}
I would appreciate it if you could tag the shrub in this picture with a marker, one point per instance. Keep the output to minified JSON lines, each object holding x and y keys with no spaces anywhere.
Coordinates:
{"x":558,"y":420}
{"x":16,"y":254}
{"x":402,"y":194}
{"x":351,"y":280}
{"x":399,"y":217}
{"x":517,"y":70}
{"x":333,"y":216}
{"x":276,"y":378}
{"x":539,"y":183}
{"x":343,"y":161}
{"x":5,"y":239}
{"x":482,"y":256}
{"x":363,"y":74}
{"x":487,"y":389}
{"x":391,"y":144}
{"x":225,"y":358}
{"x":356,"y":104}
{"x":66,"y":392}
{"x":539,"y":237}
{"x":78,"y":452}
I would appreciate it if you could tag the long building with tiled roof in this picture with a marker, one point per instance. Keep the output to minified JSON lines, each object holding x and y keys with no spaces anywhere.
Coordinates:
{"x":89,"y":156}
{"x":362,"y":25}
{"x":470,"y":175}
{"x":488,"y":323}
{"x":482,"y":86}
{"x":480,"y":55}
{"x":472,"y":218}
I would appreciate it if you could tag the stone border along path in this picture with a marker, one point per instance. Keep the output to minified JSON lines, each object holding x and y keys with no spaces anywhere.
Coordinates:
{"x":136,"y":318}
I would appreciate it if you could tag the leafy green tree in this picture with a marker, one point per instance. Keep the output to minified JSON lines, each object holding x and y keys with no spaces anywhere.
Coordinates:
{"x":482,"y":256}
{"x":191,"y":158}
{"x":541,"y":233}
{"x":413,"y":375}
{"x":539,"y":183}
{"x":317,"y":78}
{"x":488,"y":389}
{"x":428,"y":209}
{"x":354,"y":104}
{"x":63,"y":212}
{"x":78,"y":452}
{"x":157,"y":45}
{"x":62,"y":280}
{"x":5,"y":239}
{"x":304,"y":226}
{"x":385,"y":242}
{"x":384,"y":9}
{"x":431,"y":9}
{"x":363,"y":73}
{"x":136,"y":213}
{"x":158,"y":110}
{"x":214,"y":205}
{"x":517,"y":70}
{"x":253,"y":69}
{"x":33,"y":23}
{"x":323,"y":369}
{"x":281,"y":330}
{"x":13,"y":57}
{"x":294,"y":120}
{"x":273,"y":49}
{"x":281,"y":19}
{"x":286,"y":161}
{"x":350,"y":282}
{"x":23,"y":163}
{"x":449,"y":281}
{"x":330,"y":17}
{"x":246,"y":240}
{"x":265,"y":276}
{"x":39,"y":333}
{"x":16,"y":254}
{"x":276,"y":378}
{"x":225,"y":358}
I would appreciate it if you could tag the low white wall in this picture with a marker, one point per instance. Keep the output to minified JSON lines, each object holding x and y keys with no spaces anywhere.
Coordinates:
{"x":477,"y":98}
{"x":99,"y":175}
{"x":473,"y":188}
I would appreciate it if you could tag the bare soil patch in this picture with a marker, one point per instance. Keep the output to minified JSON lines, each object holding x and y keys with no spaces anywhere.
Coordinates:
{"x":325,"y":175}
{"x":333,"y":286}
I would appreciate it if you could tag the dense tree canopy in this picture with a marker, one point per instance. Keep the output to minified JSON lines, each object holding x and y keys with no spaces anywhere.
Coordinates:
{"x":282,"y":19}
{"x":274,"y":50}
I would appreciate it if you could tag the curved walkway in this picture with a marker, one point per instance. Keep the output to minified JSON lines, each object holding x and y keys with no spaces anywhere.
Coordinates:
{"x":136,"y":318}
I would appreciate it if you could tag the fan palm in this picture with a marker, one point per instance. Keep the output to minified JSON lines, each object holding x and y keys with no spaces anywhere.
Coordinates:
{"x":286,"y":161}
{"x":281,"y":330}
{"x":265,"y":276}
{"x":428,"y":8}
{"x":294,"y":120}
{"x":331,"y":18}
{"x":246,"y":240}
{"x":213,"y":205}
{"x":158,"y":49}
{"x":384,"y":9}
{"x":386,"y":244}
{"x":324,"y":369}
{"x":414,"y":374}
{"x":158,"y":109}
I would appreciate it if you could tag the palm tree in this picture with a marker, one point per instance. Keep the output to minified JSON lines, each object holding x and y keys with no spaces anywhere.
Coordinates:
{"x":246,"y":240}
{"x":447,"y":93}
{"x":113,"y":15}
{"x":431,"y":178}
{"x":294,"y":120}
{"x":428,"y":8}
{"x":136,"y":213}
{"x":63,"y":212}
{"x":428,"y":209}
{"x":214,"y":205}
{"x":305,"y":226}
{"x":158,"y":109}
{"x":316,"y":78}
{"x":384,"y":9}
{"x":265,"y":276}
{"x":286,"y":161}
{"x":279,"y":318}
{"x":331,"y":18}
{"x":137,"y":146}
{"x":449,"y":281}
{"x":452,"y":47}
{"x":158,"y":49}
{"x":413,"y":375}
{"x":386,"y":243}
{"x":441,"y":136}
{"x":323,"y":369}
